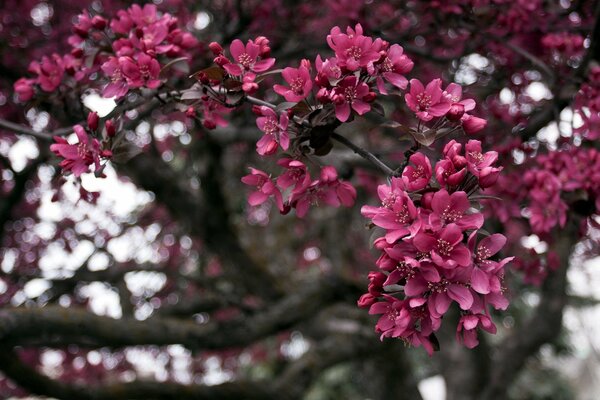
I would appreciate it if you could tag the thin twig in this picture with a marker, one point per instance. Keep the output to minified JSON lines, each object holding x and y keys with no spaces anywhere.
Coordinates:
{"x":364,"y":154}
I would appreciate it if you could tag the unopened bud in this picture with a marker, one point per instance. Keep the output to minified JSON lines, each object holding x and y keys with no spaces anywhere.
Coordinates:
{"x":77,"y":52}
{"x":215,"y":48}
{"x":92,"y":120}
{"x":456,"y":112}
{"x":203,"y":78}
{"x":221,"y":60}
{"x":99,"y":22}
{"x":110,"y":128}
{"x":305,"y":63}
{"x":323,"y":96}
{"x":209,"y":124}
{"x":338,"y":99}
{"x":370,"y":97}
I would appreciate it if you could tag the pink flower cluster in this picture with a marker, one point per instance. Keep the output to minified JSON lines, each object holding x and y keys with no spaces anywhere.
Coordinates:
{"x":556,"y":182}
{"x":564,"y":44}
{"x":142,"y":37}
{"x":78,"y":157}
{"x":431,"y":253}
{"x":431,"y":101}
{"x":587,"y":106}
{"x":129,"y":50}
{"x":300,"y":190}
{"x":360,"y":64}
{"x":247,"y":60}
{"x":49,"y":72}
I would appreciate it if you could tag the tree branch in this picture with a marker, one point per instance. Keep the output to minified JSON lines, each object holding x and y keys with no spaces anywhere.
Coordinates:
{"x":19,"y":324}
{"x":36,"y":383}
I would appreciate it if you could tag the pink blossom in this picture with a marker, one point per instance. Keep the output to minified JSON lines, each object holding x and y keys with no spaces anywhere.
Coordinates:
{"x":395,"y":317}
{"x":213,"y":112}
{"x":444,"y":246}
{"x":245,"y":59}
{"x":454,"y":94}
{"x":328,"y":189}
{"x":399,"y":219}
{"x":296,"y":174}
{"x":265,"y":188}
{"x":118,"y":85}
{"x":50,"y":72}
{"x":275,"y":131}
{"x":143,"y":16}
{"x":149,"y":70}
{"x":427,"y":102}
{"x":353,"y":50}
{"x":466,"y":331}
{"x":471,"y":124}
{"x":299,"y":81}
{"x":350,"y":93}
{"x":393,"y":67}
{"x":417,"y":177}
{"x":122,"y":23}
{"x":149,"y":38}
{"x":447,"y":174}
{"x":327,"y":71}
{"x":24,"y":89}
{"x":452,"y":208}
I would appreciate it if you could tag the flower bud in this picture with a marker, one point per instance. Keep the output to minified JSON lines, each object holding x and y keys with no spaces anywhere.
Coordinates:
{"x":370,"y":97}
{"x":221,"y":60}
{"x":203,"y":78}
{"x":338,"y":99}
{"x":323,"y":96}
{"x":257,"y":110}
{"x":426,"y":200}
{"x":322,"y":80}
{"x":190,"y":112}
{"x":263,"y":43}
{"x":77,"y":52}
{"x":209,"y":124}
{"x":92,"y":120}
{"x":305,"y":63}
{"x":366,"y":300}
{"x":472,"y":125}
{"x":456,"y":112}
{"x":99,"y":22}
{"x":215,"y":48}
{"x":110,"y":128}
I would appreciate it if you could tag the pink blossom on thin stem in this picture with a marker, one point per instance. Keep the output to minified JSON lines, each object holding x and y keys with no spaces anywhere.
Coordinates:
{"x":350,"y":94}
{"x":265,"y":188}
{"x":300,"y":84}
{"x":275,"y":131}
{"x":427,"y":102}
{"x":245,"y":59}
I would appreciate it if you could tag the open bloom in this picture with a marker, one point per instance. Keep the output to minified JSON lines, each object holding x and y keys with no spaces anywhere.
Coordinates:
{"x":350,"y":93}
{"x":352,"y":49}
{"x":79,"y":156}
{"x":265,"y":188}
{"x":245,"y":59}
{"x":275,"y":131}
{"x":427,"y":102}
{"x":451,"y":208}
{"x":444,"y":246}
{"x":466,"y":331}
{"x":417,"y":177}
{"x":299,"y":81}
{"x":393,"y":67}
